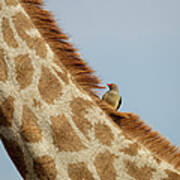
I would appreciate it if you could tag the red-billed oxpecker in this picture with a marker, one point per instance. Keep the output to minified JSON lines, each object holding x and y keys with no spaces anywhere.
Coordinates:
{"x":112,"y":96}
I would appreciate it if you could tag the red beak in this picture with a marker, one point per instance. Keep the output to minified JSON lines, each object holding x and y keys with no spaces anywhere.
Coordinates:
{"x":108,"y":84}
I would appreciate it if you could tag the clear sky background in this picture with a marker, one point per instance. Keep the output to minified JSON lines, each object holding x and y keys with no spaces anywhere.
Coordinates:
{"x":134,"y":44}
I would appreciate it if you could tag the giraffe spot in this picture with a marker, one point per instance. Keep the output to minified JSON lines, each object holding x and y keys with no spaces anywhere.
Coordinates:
{"x":16,"y":154}
{"x":0,"y":6}
{"x":142,"y":173}
{"x":40,"y":47}
{"x":36,"y":43}
{"x":132,"y":150}
{"x":49,"y":86}
{"x":104,"y":134}
{"x":45,"y":168}
{"x":24,"y":70}
{"x":79,"y":108}
{"x":8,"y":34}
{"x":79,"y":171}
{"x":20,"y":20}
{"x":6,"y":112}
{"x":171,"y":175}
{"x":104,"y":166}
{"x":30,"y":130}
{"x":64,"y":137}
{"x":3,"y":69}
{"x":11,"y":2}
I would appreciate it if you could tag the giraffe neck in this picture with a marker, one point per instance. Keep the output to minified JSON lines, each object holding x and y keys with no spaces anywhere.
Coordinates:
{"x":50,"y":122}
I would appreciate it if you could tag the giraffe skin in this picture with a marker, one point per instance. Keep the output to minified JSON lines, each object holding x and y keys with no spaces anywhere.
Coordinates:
{"x":52,"y":128}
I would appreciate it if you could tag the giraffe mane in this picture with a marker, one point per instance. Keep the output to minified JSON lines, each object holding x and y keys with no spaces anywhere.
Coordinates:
{"x":130,"y":123}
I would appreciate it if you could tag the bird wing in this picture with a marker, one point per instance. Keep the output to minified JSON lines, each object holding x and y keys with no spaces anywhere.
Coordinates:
{"x":104,"y":97}
{"x":120,"y":102}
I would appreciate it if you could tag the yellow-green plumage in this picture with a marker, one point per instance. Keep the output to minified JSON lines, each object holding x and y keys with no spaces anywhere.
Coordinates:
{"x":112,"y":97}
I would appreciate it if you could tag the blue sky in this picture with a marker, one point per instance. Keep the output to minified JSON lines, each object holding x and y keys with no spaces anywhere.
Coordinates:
{"x":134,"y":44}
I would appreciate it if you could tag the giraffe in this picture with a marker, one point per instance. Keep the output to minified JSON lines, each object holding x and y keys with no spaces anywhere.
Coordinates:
{"x":52,"y":123}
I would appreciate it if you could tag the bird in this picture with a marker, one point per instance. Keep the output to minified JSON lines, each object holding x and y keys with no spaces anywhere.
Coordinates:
{"x":112,"y":96}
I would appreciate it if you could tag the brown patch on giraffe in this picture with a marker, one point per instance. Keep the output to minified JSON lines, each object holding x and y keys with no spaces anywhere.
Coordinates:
{"x":171,"y":175}
{"x":11,"y":2}
{"x":49,"y":86}
{"x":64,"y":137}
{"x":24,"y":70}
{"x":16,"y":154}
{"x":39,"y":45}
{"x":6,"y":112}
{"x":104,"y":134}
{"x":143,"y":173}
{"x":132,"y":150}
{"x":79,"y":171}
{"x":20,"y":20}
{"x":104,"y":166}
{"x":45,"y":168}
{"x":3,"y":69}
{"x":79,"y":108}
{"x":30,"y":130}
{"x":0,"y":6}
{"x":8,"y":34}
